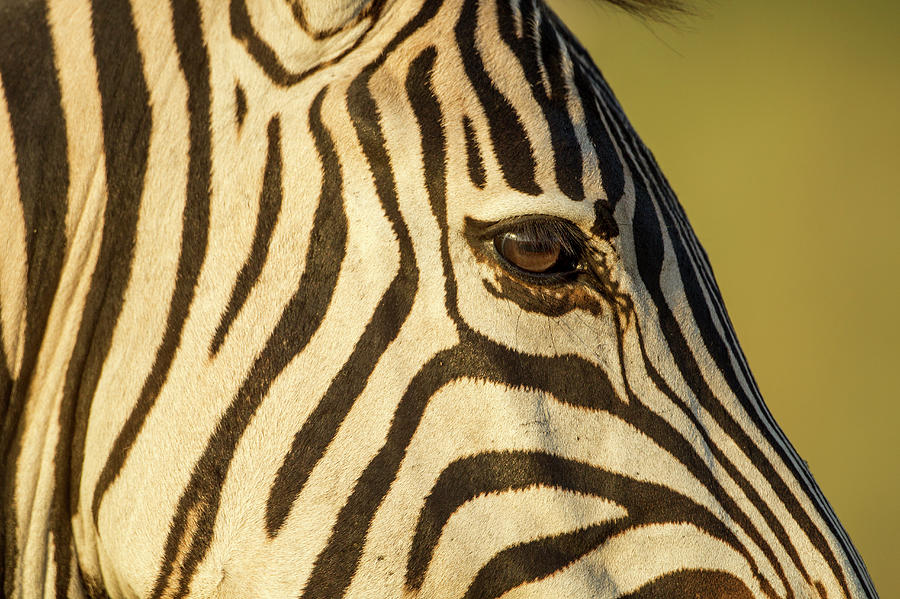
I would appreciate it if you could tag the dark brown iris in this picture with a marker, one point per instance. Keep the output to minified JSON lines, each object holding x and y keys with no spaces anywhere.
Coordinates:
{"x":531,"y":253}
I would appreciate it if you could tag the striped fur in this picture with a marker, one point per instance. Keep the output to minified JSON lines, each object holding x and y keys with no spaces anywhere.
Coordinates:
{"x":257,"y":341}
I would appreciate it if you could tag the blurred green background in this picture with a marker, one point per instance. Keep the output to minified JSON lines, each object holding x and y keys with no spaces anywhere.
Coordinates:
{"x":778,"y":125}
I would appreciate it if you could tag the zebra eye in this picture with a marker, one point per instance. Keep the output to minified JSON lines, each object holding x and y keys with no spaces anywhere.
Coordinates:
{"x":539,"y":247}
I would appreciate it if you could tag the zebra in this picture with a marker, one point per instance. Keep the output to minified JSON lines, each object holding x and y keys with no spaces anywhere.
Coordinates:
{"x":366,"y":298}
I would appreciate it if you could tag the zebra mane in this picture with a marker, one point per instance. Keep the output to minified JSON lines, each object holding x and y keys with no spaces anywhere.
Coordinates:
{"x":656,"y":9}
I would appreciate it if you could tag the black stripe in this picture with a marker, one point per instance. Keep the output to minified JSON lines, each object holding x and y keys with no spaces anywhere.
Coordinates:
{"x":612,"y":173}
{"x":508,"y":136}
{"x":566,"y":147}
{"x":499,"y":472}
{"x":299,"y":321}
{"x":194,"y":63}
{"x":240,"y":105}
{"x":6,"y":382}
{"x":434,"y":147}
{"x":321,"y":425}
{"x":39,"y":134}
{"x":473,"y":155}
{"x":696,"y":274}
{"x":127,"y":124}
{"x":534,"y":560}
{"x":697,"y":584}
{"x":539,"y":47}
{"x":266,"y":217}
{"x":330,"y":229}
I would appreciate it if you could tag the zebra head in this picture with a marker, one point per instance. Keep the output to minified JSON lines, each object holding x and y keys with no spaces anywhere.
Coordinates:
{"x":384,"y":298}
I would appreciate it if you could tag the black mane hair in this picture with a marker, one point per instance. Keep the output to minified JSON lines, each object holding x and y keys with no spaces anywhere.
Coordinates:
{"x":651,"y":8}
